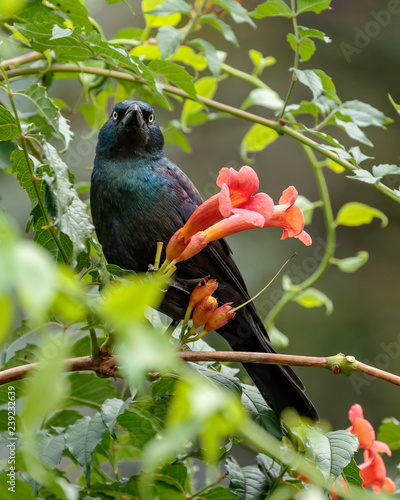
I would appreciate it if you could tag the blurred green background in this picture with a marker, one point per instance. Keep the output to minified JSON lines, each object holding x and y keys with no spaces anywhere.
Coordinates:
{"x":366,"y":317}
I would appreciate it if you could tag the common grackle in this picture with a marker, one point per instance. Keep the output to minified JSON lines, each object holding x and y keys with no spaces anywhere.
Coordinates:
{"x":139,"y":197}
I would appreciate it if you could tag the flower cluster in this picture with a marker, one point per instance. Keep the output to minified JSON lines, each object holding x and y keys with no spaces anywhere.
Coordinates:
{"x":236,"y":208}
{"x":373,"y":470}
{"x":205,"y":310}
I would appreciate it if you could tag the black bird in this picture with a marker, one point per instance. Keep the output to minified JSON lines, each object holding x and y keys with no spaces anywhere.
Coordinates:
{"x":139,"y":197}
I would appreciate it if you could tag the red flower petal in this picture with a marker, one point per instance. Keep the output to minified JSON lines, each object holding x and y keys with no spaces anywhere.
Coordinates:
{"x":373,"y":472}
{"x":364,"y":431}
{"x":381,"y":447}
{"x":225,"y":204}
{"x":245,"y":181}
{"x":305,"y":238}
{"x":289,"y":196}
{"x":354,"y":412}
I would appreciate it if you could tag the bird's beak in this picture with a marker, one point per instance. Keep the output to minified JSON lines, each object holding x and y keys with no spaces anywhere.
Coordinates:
{"x":133,"y":116}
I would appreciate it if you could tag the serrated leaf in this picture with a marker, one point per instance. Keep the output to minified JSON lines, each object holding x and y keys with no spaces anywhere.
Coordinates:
{"x":269,"y":468}
{"x":168,"y":39}
{"x":8,"y":125}
{"x":306,"y":46}
{"x":238,"y":13}
{"x":81,"y":439}
{"x":214,"y":58}
{"x":232,"y":384}
{"x":385,"y":169}
{"x":222,"y":27}
{"x":257,"y":139}
{"x":364,"y":176}
{"x":332,"y":451}
{"x":50,"y":447}
{"x":316,"y":6}
{"x":77,"y":12}
{"x":311,"y":297}
{"x":389,"y":433}
{"x":46,"y":107}
{"x":357,"y":214}
{"x":248,"y":483}
{"x":328,"y":86}
{"x":73,"y":217}
{"x":176,"y":74}
{"x":88,"y":390}
{"x":353,"y":131}
{"x":141,"y":427}
{"x":21,"y":170}
{"x":260,"y":412}
{"x":352,"y":264}
{"x":267,"y":98}
{"x":351,"y":475}
{"x":272,"y":8}
{"x":358,"y":155}
{"x":110,"y":410}
{"x":363,"y":114}
{"x":311,"y":80}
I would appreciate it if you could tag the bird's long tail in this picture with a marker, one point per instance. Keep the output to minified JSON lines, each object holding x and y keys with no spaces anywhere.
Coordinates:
{"x":279,"y":385}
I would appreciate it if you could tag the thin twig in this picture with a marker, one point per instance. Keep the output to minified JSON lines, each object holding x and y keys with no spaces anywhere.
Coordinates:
{"x":108,"y":364}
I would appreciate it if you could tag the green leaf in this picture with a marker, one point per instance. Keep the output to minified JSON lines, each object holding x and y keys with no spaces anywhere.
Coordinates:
{"x":176,"y":74}
{"x":311,"y":297}
{"x":8,"y":125}
{"x":358,"y":155}
{"x":313,"y":33}
{"x":328,"y":86}
{"x":213,"y":57}
{"x":363,"y":114}
{"x":353,"y":131}
{"x":62,"y":419}
{"x":389,"y":433}
{"x":257,"y":139}
{"x":352,"y":264}
{"x":238,"y":13}
{"x":110,"y":410}
{"x":333,"y":451}
{"x":218,"y":493}
{"x":307,"y":207}
{"x":221,"y":26}
{"x":74,"y":220}
{"x":169,"y":7}
{"x":260,"y":412}
{"x":21,"y":170}
{"x":46,"y":107}
{"x":334,"y":166}
{"x":168,"y":39}
{"x":248,"y":483}
{"x":351,"y":474}
{"x":110,"y":2}
{"x":364,"y":176}
{"x":380,"y":171}
{"x":24,"y":489}
{"x":77,"y":12}
{"x":396,"y":106}
{"x":44,"y":238}
{"x":229,"y":383}
{"x":316,"y":6}
{"x":260,"y":62}
{"x":272,"y":8}
{"x":278,"y":340}
{"x":141,"y":427}
{"x":50,"y":447}
{"x":269,"y":468}
{"x":81,"y":439}
{"x":7,"y":313}
{"x":205,"y":87}
{"x":86,"y":389}
{"x":160,"y":19}
{"x":267,"y":98}
{"x":357,"y":214}
{"x":174,"y":136}
{"x":311,"y":80}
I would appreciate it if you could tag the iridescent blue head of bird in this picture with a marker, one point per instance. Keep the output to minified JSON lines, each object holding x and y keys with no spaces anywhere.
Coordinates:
{"x":131,"y":130}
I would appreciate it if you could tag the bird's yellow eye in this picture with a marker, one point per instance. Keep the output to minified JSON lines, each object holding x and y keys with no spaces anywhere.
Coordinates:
{"x":115,"y":115}
{"x":151,"y":118}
